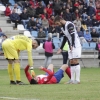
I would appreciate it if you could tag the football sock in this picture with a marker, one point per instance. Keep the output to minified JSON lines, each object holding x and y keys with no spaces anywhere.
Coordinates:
{"x":10,"y":72}
{"x":68,"y":72}
{"x":17,"y":71}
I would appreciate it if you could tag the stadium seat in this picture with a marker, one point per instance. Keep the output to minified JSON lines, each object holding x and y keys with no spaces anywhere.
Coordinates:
{"x":56,"y":40}
{"x":85,"y":46}
{"x":56,"y":45}
{"x":92,"y":45}
{"x":20,"y":27}
{"x":27,"y":33}
{"x":34,"y":34}
{"x":2,"y":8}
{"x":12,"y":2}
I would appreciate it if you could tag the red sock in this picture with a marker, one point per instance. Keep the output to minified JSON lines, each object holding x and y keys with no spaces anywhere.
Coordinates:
{"x":68,"y":72}
{"x":29,"y":77}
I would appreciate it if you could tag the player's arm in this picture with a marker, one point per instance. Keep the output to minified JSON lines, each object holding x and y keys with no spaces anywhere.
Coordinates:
{"x":63,"y":42}
{"x":71,"y":31}
{"x":47,"y":71}
{"x":30,"y":60}
{"x":62,"y":45}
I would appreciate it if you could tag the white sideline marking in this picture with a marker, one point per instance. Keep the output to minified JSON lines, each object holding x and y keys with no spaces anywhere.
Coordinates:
{"x":11,"y":98}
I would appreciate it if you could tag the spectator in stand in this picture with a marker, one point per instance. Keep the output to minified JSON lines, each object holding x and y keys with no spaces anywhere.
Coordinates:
{"x":38,"y":24}
{"x":87,"y":36}
{"x":49,"y":10}
{"x":56,"y":6}
{"x":81,"y":9}
{"x":39,"y":10}
{"x":98,"y":14}
{"x":77,"y":22}
{"x":52,"y":31}
{"x":64,"y":9}
{"x":50,"y":2}
{"x":67,"y":15}
{"x":97,"y":3}
{"x":26,"y":4}
{"x":42,"y":3}
{"x":93,"y":3}
{"x":41,"y":35}
{"x":8,"y":10}
{"x":45,"y":14}
{"x":75,"y":14}
{"x":95,"y":22}
{"x":84,"y":16}
{"x":94,"y":35}
{"x":15,"y":18}
{"x":76,"y":4}
{"x":89,"y":22}
{"x":81,"y":36}
{"x":58,"y":30}
{"x":34,"y":3}
{"x":30,"y":11}
{"x":24,"y":17}
{"x":17,"y":9}
{"x":83,"y":26}
{"x":51,"y":20}
{"x":90,"y":10}
{"x":31,"y":25}
{"x":48,"y":47}
{"x":45,"y":25}
{"x":5,"y":2}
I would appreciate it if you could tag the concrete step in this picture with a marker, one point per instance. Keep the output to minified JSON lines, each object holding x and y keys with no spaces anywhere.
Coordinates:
{"x":4,"y":18}
{"x":6,"y":28}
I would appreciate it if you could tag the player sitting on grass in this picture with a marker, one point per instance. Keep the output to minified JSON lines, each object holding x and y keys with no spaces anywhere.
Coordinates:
{"x":49,"y":78}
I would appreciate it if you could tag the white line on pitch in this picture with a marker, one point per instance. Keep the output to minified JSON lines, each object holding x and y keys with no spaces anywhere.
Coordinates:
{"x":11,"y":98}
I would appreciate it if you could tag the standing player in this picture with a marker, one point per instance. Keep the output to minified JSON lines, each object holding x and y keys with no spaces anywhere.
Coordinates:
{"x":11,"y":48}
{"x":49,"y":78}
{"x":75,"y":47}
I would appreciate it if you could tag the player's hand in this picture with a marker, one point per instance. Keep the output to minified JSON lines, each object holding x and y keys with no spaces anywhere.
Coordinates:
{"x":41,"y":67}
{"x":59,"y":51}
{"x":71,"y":48}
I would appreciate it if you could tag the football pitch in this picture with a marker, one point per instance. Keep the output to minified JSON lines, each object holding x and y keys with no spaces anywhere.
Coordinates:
{"x":89,"y":89}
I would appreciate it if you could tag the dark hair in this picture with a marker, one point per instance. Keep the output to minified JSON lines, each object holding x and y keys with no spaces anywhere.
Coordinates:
{"x":37,"y":42}
{"x":57,"y":18}
{"x":33,"y":81}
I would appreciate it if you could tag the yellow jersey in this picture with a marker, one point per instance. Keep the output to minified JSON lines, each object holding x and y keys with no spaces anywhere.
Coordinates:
{"x":19,"y":43}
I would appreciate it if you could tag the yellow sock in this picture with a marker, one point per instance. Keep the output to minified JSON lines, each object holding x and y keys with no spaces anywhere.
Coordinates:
{"x":10,"y":72}
{"x":17,"y":71}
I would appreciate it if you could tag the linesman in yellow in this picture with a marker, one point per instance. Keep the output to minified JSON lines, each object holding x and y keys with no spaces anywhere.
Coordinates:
{"x":11,"y":48}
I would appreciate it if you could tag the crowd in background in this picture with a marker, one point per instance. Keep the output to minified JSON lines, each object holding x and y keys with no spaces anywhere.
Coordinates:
{"x":38,"y":15}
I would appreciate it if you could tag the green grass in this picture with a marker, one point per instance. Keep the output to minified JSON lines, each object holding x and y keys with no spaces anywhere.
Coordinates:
{"x":89,"y":89}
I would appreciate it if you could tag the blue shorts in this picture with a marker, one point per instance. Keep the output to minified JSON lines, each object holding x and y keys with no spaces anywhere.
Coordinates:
{"x":59,"y":75}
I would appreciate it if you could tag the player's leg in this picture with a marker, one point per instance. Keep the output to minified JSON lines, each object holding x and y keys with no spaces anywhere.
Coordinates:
{"x":17,"y":70}
{"x":64,"y":67}
{"x":76,"y":65}
{"x":29,"y":77}
{"x":72,"y":63}
{"x":60,"y":73}
{"x":50,"y":67}
{"x":68,"y":72}
{"x":11,"y":72}
{"x":77,"y":71}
